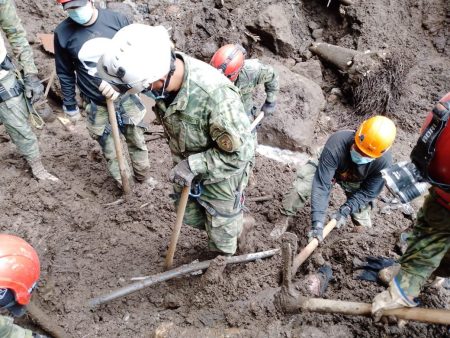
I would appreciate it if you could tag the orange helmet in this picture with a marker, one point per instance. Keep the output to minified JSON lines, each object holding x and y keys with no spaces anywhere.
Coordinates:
{"x":375,"y":136}
{"x":229,"y":59}
{"x":19,"y":267}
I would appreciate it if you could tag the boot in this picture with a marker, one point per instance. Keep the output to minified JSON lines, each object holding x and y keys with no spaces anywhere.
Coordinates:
{"x":45,"y":112}
{"x":39,"y":172}
{"x":280,"y":226}
{"x":247,"y":226}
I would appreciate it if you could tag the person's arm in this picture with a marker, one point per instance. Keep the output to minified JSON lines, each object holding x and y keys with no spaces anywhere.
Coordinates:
{"x":9,"y":329}
{"x":269,"y":77}
{"x":65,"y":70}
{"x":17,"y":37}
{"x":228,"y":126}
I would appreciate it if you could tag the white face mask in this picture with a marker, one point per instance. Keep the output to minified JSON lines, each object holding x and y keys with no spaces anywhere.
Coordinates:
{"x":81,"y":15}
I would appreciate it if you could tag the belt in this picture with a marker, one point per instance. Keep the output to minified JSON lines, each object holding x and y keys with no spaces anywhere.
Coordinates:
{"x":6,"y":94}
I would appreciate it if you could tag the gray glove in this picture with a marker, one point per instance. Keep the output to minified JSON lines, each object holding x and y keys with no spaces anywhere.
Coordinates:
{"x":341,"y":215}
{"x":316,"y":232}
{"x":34,"y":90}
{"x":268,"y":108}
{"x":181,"y":174}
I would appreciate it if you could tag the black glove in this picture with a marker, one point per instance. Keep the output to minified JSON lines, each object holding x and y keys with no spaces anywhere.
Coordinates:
{"x":33,"y":87}
{"x":316,"y":232}
{"x":181,"y":174}
{"x":341,"y":215}
{"x":268,"y":108}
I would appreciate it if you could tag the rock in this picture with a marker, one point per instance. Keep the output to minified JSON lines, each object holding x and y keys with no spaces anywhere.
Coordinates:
{"x":313,"y":25}
{"x":317,"y":34}
{"x":171,"y":301}
{"x":310,"y":69}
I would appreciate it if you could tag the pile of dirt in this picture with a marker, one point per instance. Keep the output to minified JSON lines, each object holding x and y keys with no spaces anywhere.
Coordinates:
{"x":89,"y":245}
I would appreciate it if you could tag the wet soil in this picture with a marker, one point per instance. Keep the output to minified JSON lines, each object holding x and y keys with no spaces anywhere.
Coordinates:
{"x":89,"y":245}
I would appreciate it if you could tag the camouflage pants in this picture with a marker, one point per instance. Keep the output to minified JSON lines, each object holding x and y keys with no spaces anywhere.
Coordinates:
{"x":428,"y":247}
{"x":99,"y":128}
{"x":215,"y":212}
{"x":9,"y":330}
{"x":14,"y":116}
{"x":300,"y":192}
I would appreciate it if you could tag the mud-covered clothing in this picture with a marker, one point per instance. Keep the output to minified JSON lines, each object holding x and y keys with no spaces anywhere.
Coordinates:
{"x":252,"y":74}
{"x":301,"y":192}
{"x":428,"y":247}
{"x":17,"y":37}
{"x":362,"y":183}
{"x":9,"y":330}
{"x":206,"y":124}
{"x":69,"y":38}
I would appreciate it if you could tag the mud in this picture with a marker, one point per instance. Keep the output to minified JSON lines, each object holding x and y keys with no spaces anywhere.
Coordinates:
{"x":88,"y":247}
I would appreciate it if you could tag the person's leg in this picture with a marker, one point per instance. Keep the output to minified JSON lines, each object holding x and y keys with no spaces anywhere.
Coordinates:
{"x":137,"y":148}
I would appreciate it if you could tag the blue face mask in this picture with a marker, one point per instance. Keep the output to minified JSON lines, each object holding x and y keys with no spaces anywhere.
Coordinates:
{"x":358,"y":158}
{"x":81,"y":15}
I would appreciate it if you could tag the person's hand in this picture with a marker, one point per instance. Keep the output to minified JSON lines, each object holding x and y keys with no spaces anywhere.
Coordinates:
{"x":34,"y":90}
{"x":389,"y":299}
{"x":316,"y":232}
{"x":341,"y":215}
{"x":268,"y":108}
{"x":108,"y":91}
{"x":72,"y":112}
{"x":181,"y":174}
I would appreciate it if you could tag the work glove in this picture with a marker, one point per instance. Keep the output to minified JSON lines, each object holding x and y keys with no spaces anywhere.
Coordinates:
{"x":181,"y":174}
{"x":37,"y":335}
{"x":108,"y":91}
{"x":316,"y":232}
{"x":72,"y":112}
{"x":392,"y":298}
{"x":268,"y":108}
{"x":341,"y":215}
{"x":34,"y":90}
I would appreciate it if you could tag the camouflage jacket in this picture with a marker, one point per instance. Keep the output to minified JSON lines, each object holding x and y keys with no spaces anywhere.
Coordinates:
{"x":206,"y":123}
{"x":9,"y":330}
{"x":253,"y":74}
{"x":17,"y":37}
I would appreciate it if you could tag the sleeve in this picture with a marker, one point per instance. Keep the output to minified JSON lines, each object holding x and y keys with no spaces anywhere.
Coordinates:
{"x":269,"y":77}
{"x":228,"y":128}
{"x":17,"y":37}
{"x":66,"y":73}
{"x":9,"y":330}
{"x":322,"y":184}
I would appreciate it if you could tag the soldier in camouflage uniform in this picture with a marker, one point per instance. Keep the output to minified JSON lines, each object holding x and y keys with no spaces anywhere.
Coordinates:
{"x":204,"y":120}
{"x":14,"y":110}
{"x":247,"y":75}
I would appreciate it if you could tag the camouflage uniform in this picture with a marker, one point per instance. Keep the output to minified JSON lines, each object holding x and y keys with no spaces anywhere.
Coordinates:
{"x":207,"y":111}
{"x":130,"y":112}
{"x":9,"y":330}
{"x":14,"y":112}
{"x":301,"y":189}
{"x":428,"y":247}
{"x":252,"y":74}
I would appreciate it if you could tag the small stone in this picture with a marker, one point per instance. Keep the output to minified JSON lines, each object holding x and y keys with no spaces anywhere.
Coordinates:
{"x":313,"y":25}
{"x":317,"y":33}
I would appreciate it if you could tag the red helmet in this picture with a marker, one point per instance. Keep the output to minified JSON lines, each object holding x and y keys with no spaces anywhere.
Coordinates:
{"x":62,"y":1}
{"x":229,"y":59}
{"x":19,"y":267}
{"x":439,"y":168}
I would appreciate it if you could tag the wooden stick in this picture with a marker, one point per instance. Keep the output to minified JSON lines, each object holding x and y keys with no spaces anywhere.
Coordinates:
{"x":44,"y":321}
{"x":118,"y":146}
{"x":259,"y":198}
{"x":433,"y":316}
{"x":176,"y":230}
{"x":256,"y":121}
{"x":308,"y":250}
{"x":181,"y":270}
{"x":49,"y":83}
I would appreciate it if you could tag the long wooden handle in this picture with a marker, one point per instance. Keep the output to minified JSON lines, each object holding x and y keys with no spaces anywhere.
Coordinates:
{"x":434,"y":316}
{"x":307,"y":250}
{"x":176,"y":230}
{"x":256,"y":121}
{"x":118,"y":146}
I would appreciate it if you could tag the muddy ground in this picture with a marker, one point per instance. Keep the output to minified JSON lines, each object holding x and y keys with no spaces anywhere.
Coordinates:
{"x":88,"y":247}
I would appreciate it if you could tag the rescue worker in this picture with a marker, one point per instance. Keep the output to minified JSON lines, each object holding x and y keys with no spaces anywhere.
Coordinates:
{"x":353,"y":160}
{"x":19,"y":273}
{"x":428,"y":249}
{"x":204,"y":120}
{"x":247,"y":75}
{"x":14,"y":109}
{"x":85,"y":22}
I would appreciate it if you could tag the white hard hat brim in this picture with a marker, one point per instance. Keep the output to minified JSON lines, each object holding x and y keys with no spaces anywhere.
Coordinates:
{"x":102,"y":73}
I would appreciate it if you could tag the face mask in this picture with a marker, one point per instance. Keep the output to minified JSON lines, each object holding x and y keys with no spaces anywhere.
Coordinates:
{"x":160,"y":94}
{"x":358,"y":158}
{"x":81,"y":15}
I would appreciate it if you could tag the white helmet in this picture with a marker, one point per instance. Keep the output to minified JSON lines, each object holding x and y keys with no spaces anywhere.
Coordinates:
{"x":138,"y":56}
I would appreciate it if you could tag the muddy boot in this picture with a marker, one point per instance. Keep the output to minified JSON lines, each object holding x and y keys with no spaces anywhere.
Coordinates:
{"x":387,"y":274}
{"x":45,"y":112}
{"x":247,"y":227}
{"x":281,"y":226}
{"x":39,"y":172}
{"x":148,"y":183}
